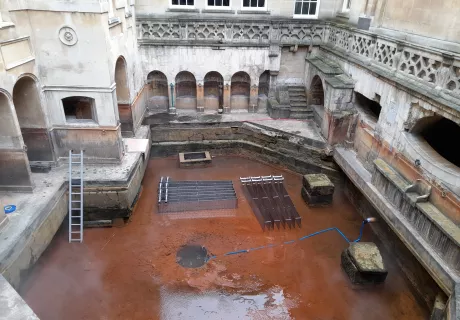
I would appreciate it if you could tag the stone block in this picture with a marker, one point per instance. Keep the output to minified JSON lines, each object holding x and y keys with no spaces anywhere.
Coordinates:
{"x":318,"y":184}
{"x":363,"y":263}
{"x":316,"y":200}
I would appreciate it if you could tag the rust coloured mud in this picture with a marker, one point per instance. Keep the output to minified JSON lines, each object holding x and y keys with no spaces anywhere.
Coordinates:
{"x":131,"y":272}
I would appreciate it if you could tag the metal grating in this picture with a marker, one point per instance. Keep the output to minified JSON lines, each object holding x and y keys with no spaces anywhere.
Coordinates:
{"x":179,"y":196}
{"x":270,"y":202}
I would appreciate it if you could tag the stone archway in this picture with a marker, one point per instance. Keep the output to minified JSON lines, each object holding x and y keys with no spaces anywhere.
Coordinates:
{"x":240,"y":91}
{"x":14,"y":164}
{"x":123,"y":99}
{"x":31,"y":118}
{"x":186,"y":91}
{"x":213,"y":91}
{"x":316,"y":92}
{"x":158,"y":97}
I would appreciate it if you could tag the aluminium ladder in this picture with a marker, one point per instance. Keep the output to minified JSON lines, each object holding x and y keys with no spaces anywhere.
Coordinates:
{"x":76,"y":196}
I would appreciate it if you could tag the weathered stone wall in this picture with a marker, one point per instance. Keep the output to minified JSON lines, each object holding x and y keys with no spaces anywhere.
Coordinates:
{"x":432,"y":19}
{"x":200,"y":60}
{"x":292,"y":66}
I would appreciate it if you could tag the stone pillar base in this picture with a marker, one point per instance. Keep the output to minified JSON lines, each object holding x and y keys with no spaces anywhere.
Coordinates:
{"x":200,"y":109}
{"x":252,"y":108}
{"x":316,"y":201}
{"x":227,"y":109}
{"x":363,"y":264}
{"x":317,"y":190}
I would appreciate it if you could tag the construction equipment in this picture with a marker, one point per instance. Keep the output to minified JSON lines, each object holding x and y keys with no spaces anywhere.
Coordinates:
{"x":76,"y":196}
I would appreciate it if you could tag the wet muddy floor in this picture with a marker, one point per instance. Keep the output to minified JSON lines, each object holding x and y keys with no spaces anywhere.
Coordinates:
{"x":131,"y":272}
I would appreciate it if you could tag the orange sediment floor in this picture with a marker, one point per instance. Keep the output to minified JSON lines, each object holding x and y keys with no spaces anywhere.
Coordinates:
{"x":131,"y":272}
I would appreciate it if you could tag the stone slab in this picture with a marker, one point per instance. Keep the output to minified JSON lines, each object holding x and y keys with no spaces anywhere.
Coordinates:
{"x":366,"y":256}
{"x":358,"y":277}
{"x":318,"y":184}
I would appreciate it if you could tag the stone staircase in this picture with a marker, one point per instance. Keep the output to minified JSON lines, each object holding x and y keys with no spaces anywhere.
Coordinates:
{"x":298,"y":102}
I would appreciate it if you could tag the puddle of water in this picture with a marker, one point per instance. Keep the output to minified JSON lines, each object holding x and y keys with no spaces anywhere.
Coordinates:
{"x":214,"y":305}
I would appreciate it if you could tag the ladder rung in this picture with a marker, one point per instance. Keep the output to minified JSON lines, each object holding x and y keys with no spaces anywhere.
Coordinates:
{"x":76,"y":200}
{"x":75,"y":224}
{"x":75,"y":231}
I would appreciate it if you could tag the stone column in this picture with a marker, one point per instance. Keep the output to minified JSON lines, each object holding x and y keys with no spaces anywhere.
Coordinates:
{"x":340,"y":117}
{"x":273,"y":79}
{"x":253,"y":98}
{"x":199,"y":96}
{"x":171,"y":98}
{"x":227,"y":107}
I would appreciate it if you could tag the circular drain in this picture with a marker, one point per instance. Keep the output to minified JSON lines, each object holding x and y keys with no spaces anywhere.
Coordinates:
{"x":192,"y":256}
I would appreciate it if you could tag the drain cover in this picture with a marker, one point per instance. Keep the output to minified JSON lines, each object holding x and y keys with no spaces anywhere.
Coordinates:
{"x":192,"y":256}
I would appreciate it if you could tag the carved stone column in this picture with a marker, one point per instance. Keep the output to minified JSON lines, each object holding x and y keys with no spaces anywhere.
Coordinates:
{"x":227,"y":97}
{"x":253,"y":98}
{"x":200,"y":96}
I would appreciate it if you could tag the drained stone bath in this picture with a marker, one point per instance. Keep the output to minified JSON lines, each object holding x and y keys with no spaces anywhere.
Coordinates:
{"x":134,"y":272}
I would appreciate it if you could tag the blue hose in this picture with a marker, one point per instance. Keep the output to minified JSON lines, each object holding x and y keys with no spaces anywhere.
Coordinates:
{"x":300,"y":239}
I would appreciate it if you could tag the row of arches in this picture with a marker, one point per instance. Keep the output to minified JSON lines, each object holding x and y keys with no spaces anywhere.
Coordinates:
{"x":185,"y":90}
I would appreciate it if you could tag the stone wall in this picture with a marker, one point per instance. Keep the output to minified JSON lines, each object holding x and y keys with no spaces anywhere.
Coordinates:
{"x":284,"y":8}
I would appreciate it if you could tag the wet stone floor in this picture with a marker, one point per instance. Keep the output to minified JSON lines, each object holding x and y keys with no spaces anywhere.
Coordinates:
{"x":131,"y":272}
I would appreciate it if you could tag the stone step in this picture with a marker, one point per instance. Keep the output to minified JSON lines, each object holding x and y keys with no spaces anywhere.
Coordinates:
{"x":296,"y":90}
{"x":296,"y":94}
{"x":298,"y":104}
{"x":301,"y":113}
{"x":298,"y":115}
{"x":301,"y":109}
{"x":298,"y":99}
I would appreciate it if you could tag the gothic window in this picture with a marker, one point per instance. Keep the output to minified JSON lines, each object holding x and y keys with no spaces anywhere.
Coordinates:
{"x":218,"y":3}
{"x":254,"y":4}
{"x":306,"y":8}
{"x":346,"y":5}
{"x":183,"y":2}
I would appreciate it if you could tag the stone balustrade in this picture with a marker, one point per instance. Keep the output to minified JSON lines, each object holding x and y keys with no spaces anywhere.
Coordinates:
{"x":431,"y":69}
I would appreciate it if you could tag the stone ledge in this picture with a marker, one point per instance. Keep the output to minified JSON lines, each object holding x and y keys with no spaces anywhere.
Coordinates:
{"x":428,"y":209}
{"x":12,"y":306}
{"x":361,"y":178}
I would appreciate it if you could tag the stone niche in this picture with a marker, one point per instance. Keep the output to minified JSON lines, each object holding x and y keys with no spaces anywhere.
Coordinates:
{"x":317,"y":190}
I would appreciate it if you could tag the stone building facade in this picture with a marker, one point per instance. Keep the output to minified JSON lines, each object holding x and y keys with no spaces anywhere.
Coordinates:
{"x":379,"y":77}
